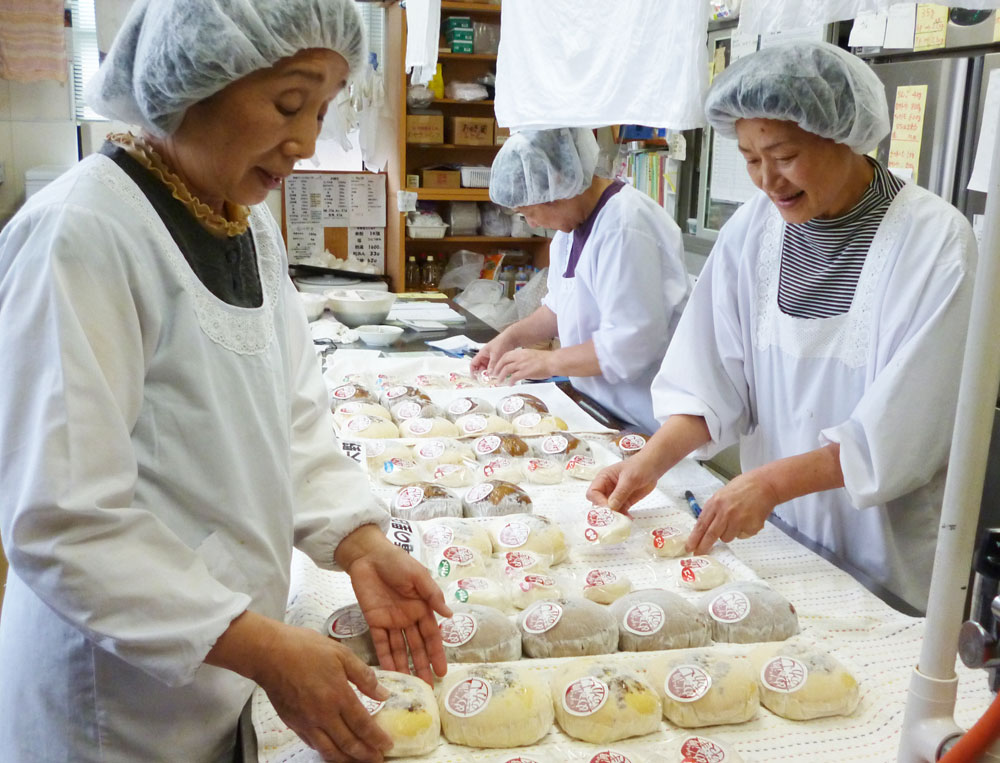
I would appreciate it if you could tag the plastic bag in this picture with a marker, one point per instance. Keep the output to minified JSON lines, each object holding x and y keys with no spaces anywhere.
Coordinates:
{"x":493,"y":220}
{"x":529,"y":297}
{"x":485,"y":300}
{"x":463,"y":268}
{"x":419,"y":96}
{"x":465,"y":91}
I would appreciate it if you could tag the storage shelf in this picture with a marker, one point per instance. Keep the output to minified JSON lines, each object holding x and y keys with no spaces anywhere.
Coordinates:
{"x":480,"y":240}
{"x":452,"y":194}
{"x":450,"y":146}
{"x":469,"y":56}
{"x":455,"y":5}
{"x":454,"y":101}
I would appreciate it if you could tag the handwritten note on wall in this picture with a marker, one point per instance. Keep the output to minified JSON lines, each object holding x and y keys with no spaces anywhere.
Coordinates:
{"x":932,"y":26}
{"x":907,"y":128}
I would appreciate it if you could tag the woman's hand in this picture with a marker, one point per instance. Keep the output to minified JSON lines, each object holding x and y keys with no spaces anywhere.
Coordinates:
{"x":738,"y":510}
{"x":519,"y":364}
{"x":491,"y":352}
{"x":623,"y":484}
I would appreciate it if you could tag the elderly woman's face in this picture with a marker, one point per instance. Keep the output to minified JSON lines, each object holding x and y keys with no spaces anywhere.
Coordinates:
{"x":804,"y":175}
{"x":238,"y":144}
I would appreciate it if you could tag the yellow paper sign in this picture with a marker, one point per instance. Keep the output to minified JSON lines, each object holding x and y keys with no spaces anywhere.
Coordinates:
{"x":907,"y":128}
{"x":931,"y":27}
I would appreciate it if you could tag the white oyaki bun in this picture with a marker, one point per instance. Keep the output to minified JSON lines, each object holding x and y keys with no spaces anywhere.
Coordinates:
{"x":528,"y":532}
{"x":702,"y":687}
{"x":348,"y":626}
{"x":421,"y":427}
{"x":605,"y":586}
{"x":420,"y":501}
{"x":701,"y":573}
{"x":480,"y":590}
{"x":438,"y":534}
{"x":410,"y":716}
{"x":477,"y":633}
{"x":651,"y":619}
{"x":567,"y":628}
{"x":495,"y":498}
{"x":748,"y":611}
{"x":801,"y":682}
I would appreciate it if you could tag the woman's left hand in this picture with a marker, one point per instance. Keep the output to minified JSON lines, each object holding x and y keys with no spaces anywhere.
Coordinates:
{"x":738,"y":510}
{"x":399,"y":599}
{"x":515,"y":365}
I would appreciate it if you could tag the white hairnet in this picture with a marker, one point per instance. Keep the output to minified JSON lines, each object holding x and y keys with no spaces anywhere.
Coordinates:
{"x":824,"y":89}
{"x":170,"y":54}
{"x":538,"y":166}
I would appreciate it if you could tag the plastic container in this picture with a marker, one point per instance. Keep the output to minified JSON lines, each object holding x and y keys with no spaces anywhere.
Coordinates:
{"x":475,"y":177}
{"x":321,"y":284}
{"x":379,"y":336}
{"x":426,"y":231}
{"x":357,"y":307}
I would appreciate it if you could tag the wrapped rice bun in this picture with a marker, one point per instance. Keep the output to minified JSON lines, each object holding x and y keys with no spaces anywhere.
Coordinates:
{"x":436,"y":427}
{"x":410,"y":716}
{"x":582,"y":468}
{"x":601,"y":702}
{"x":701,"y":573}
{"x":517,"y":563}
{"x":490,"y":446}
{"x":347,"y":392}
{"x":413,"y":408}
{"x":348,"y":626}
{"x":801,"y":682}
{"x":421,"y":501}
{"x":476,"y":633}
{"x":494,"y":706}
{"x":667,"y":541}
{"x":562,"y":447}
{"x":687,"y":748}
{"x":431,"y":381}
{"x":630,"y":443}
{"x":605,"y":527}
{"x":369,"y":426}
{"x":502,"y":468}
{"x":512,"y":406}
{"x":529,"y":532}
{"x":392,"y":393}
{"x":527,"y":588}
{"x":441,"y":451}
{"x":401,"y":471}
{"x":746,"y":612}
{"x":605,"y":586}
{"x":539,"y":755}
{"x":343,"y":411}
{"x":542,"y":471}
{"x":479,"y":590}
{"x":438,"y":534}
{"x":652,"y":619}
{"x":463,"y":406}
{"x":453,"y":475}
{"x":567,"y":628}
{"x":702,"y":687}
{"x":474,"y":424}
{"x":465,"y":381}
{"x":494,"y":498}
{"x":535,"y":424}
{"x":456,"y":562}
{"x":377,"y":452}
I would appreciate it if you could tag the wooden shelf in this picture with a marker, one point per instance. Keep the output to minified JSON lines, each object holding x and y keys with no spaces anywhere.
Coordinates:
{"x":454,"y":5}
{"x":468,"y":56}
{"x":452,"y":194}
{"x":480,"y":240}
{"x":452,"y":146}
{"x":453,"y":102}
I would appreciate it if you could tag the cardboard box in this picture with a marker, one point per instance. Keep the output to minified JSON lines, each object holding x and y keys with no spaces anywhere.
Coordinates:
{"x":461,"y":47}
{"x":459,"y":35}
{"x":457,"y":22}
{"x":435,"y":178}
{"x":425,"y":128}
{"x":470,"y":131}
{"x":500,"y":134}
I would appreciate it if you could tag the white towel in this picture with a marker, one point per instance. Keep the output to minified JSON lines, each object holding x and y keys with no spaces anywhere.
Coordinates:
{"x":423,"y":29}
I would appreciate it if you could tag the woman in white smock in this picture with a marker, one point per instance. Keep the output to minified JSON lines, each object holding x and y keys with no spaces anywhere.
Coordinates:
{"x":825,"y":334}
{"x":166,"y":436}
{"x":616,"y":283}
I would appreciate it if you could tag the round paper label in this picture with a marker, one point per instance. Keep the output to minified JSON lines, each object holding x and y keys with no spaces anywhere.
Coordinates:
{"x":534,"y":464}
{"x":420,"y":426}
{"x":432,"y":449}
{"x":610,"y":756}
{"x":460,"y":406}
{"x":690,"y":566}
{"x":488,"y":444}
{"x":409,"y":497}
{"x":521,"y":560}
{"x":514,"y":534}
{"x":660,"y":535}
{"x":347,"y":622}
{"x":687,"y":683}
{"x":375,"y":448}
{"x":473,"y":584}
{"x":371,"y":705}
{"x":528,"y":420}
{"x":474,"y":422}
{"x":591,"y":535}
{"x":542,"y":616}
{"x":496,"y":465}
{"x":444,"y":470}
{"x":701,"y":750}
{"x":585,"y":696}
{"x":511,"y":405}
{"x":345,"y":392}
{"x":461,"y":595}
{"x":393,"y":392}
{"x":600,"y":516}
{"x":394,"y":464}
{"x":580,"y":462}
{"x":458,"y":629}
{"x":520,"y":759}
{"x":478,"y":492}
{"x":460,"y":555}
{"x":555,"y":444}
{"x":408,"y":410}
{"x":349,"y":409}
{"x":468,"y":697}
{"x":784,"y":674}
{"x":643,"y":619}
{"x":599,"y":577}
{"x":359,"y":423}
{"x":631,"y":443}
{"x":438,"y":536}
{"x":536,"y":581}
{"x":729,"y":607}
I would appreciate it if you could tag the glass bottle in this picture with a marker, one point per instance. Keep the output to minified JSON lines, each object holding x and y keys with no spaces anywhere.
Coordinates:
{"x":413,"y":276}
{"x":432,"y":272}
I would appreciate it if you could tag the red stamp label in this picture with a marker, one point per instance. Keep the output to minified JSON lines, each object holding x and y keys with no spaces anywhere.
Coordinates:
{"x":345,"y":392}
{"x":536,"y":581}
{"x":528,"y":420}
{"x":488,"y":444}
{"x":473,"y":423}
{"x":420,"y":426}
{"x":349,"y":409}
{"x":445,"y":470}
{"x":460,"y":555}
{"x":542,"y":616}
{"x":702,"y":750}
{"x":438,"y":536}
{"x":409,"y":497}
{"x":585,"y":696}
{"x":347,"y":622}
{"x":514,"y":534}
{"x":432,"y":449}
{"x":591,"y":535}
{"x":555,"y":444}
{"x":580,"y":462}
{"x":534,"y":464}
{"x":660,"y":535}
{"x":460,"y":406}
{"x":729,"y":607}
{"x":408,"y":410}
{"x":511,"y":404}
{"x":600,"y":516}
{"x":610,"y":756}
{"x":473,"y":584}
{"x":468,"y":697}
{"x":784,"y":674}
{"x":643,"y":619}
{"x":599,"y":577}
{"x":458,"y":629}
{"x":521,"y":560}
{"x":359,"y":423}
{"x":479,"y":492}
{"x":687,"y":683}
{"x":393,"y":392}
{"x":632,"y":442}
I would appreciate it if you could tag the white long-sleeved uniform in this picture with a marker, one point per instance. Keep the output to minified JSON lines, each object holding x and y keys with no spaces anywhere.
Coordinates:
{"x":881,"y":379}
{"x":628,"y":293}
{"x":160,"y":453}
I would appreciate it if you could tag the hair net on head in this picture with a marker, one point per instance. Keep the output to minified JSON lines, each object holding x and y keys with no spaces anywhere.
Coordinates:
{"x":824,"y":89}
{"x":170,"y":54}
{"x":538,"y":166}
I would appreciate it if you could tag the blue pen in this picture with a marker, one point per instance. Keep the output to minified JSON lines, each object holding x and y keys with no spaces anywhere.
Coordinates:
{"x":695,"y":508}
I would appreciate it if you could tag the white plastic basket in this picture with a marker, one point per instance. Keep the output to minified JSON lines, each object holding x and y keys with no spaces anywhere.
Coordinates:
{"x":475,"y":177}
{"x":426,"y":231}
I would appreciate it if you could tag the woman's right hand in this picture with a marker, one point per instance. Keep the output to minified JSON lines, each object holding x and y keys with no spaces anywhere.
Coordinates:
{"x":623,"y":484}
{"x":488,"y":355}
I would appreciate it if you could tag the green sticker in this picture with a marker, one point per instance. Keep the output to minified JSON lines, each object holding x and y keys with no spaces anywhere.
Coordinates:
{"x":462,"y":595}
{"x":444,"y":568}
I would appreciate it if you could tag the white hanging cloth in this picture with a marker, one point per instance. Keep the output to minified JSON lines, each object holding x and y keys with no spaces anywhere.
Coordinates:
{"x":589,"y":63}
{"x":765,"y":16}
{"x":423,"y":28}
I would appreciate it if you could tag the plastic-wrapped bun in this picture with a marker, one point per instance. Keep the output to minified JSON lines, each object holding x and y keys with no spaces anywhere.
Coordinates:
{"x":401,"y":471}
{"x":528,"y":587}
{"x":517,"y":563}
{"x":529,"y":532}
{"x":475,"y":633}
{"x":535,"y":424}
{"x":494,"y":706}
{"x":543,"y":471}
{"x":490,"y":446}
{"x":701,"y":573}
{"x":369,"y":426}
{"x":605,"y":527}
{"x":343,"y":411}
{"x":562,"y":447}
{"x":392,"y":394}
{"x":422,"y":500}
{"x":601,"y":702}
{"x":472,"y":424}
{"x":377,"y":452}
{"x":746,"y":612}
{"x":605,"y":586}
{"x":512,"y":406}
{"x":456,"y":562}
{"x":702,"y":687}
{"x":463,"y":406}
{"x":801,"y":682}
{"x":410,"y":716}
{"x":651,"y":619}
{"x":686,"y":748}
{"x":432,"y":381}
{"x":413,"y":408}
{"x":582,"y":468}
{"x":452,"y":475}
{"x":567,"y":628}
{"x":438,"y":534}
{"x":495,"y":498}
{"x":480,"y":590}
{"x":441,"y":451}
{"x":348,"y":392}
{"x":667,"y":541}
{"x":502,"y":468}
{"x":420,"y":427}
{"x":630,"y":443}
{"x":348,"y":626}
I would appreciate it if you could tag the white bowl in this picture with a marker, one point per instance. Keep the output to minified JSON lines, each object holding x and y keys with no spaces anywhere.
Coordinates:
{"x":379,"y":336}
{"x":314,"y":304}
{"x":359,"y":307}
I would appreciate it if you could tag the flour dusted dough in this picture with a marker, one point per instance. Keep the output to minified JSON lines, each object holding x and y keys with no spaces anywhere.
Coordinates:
{"x":476,"y":633}
{"x":489,"y":447}
{"x":801,"y":682}
{"x":567,"y":628}
{"x":748,"y":611}
{"x":502,"y":468}
{"x":561,"y":447}
{"x":701,"y":687}
{"x":651,"y":619}
{"x":463,"y":406}
{"x":435,"y":427}
{"x":482,"y":423}
{"x":401,"y":471}
{"x":535,"y":424}
{"x":700,"y":573}
{"x":348,"y":626}
{"x":518,"y":404}
{"x":420,"y":501}
{"x":369,"y":426}
{"x":495,"y":498}
{"x":410,"y":716}
{"x":605,"y":586}
{"x":494,"y":706}
{"x":480,"y":590}
{"x":604,"y":527}
{"x":601,"y":702}
{"x":542,"y":471}
{"x":343,"y":411}
{"x":686,"y":748}
{"x":438,"y":534}
{"x":667,"y":541}
{"x":529,"y":532}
